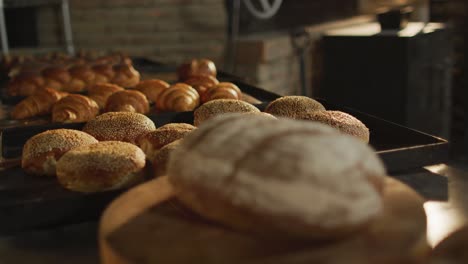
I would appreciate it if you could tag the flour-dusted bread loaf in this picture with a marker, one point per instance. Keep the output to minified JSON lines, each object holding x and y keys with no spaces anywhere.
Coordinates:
{"x":102,"y":166}
{"x":293,"y":106}
{"x":153,"y":141}
{"x":119,"y":126}
{"x":278,"y":177}
{"x":221,"y":106}
{"x":42,"y":151}
{"x":344,"y":122}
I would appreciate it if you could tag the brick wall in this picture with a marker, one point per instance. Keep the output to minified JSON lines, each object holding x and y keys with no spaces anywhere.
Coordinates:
{"x":170,"y":30}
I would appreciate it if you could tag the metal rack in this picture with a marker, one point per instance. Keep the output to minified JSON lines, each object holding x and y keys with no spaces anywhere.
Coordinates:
{"x":65,"y":8}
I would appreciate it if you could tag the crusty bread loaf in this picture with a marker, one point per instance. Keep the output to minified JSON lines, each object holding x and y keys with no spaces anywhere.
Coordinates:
{"x":293,"y":106}
{"x":100,"y":167}
{"x":153,"y":141}
{"x":42,"y":151}
{"x":278,"y":177}
{"x":120,"y":126}
{"x":221,"y":106}
{"x":344,"y":122}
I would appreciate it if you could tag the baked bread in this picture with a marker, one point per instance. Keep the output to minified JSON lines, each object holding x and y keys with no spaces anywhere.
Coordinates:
{"x":153,"y":141}
{"x":37,"y":104}
{"x":201,"y":83}
{"x":223,"y":90}
{"x":119,"y":126}
{"x":196,"y":67}
{"x":100,"y":167}
{"x":56,"y":77}
{"x":344,"y":122}
{"x":100,"y":92}
{"x":82,"y":76}
{"x":284,"y":178}
{"x":127,"y":101}
{"x":42,"y":151}
{"x":152,"y":88}
{"x":125,"y":75}
{"x":74,"y":108}
{"x":25,"y":84}
{"x":104,"y":73}
{"x":452,"y":249}
{"x":293,"y":106}
{"x":179,"y":97}
{"x":221,"y":106}
{"x":161,"y":159}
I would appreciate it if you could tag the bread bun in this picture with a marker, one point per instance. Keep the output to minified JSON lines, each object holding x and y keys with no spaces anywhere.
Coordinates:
{"x":153,"y":141}
{"x":293,"y":106}
{"x":102,"y":166}
{"x":344,"y":122}
{"x":161,"y":159}
{"x":120,"y":126}
{"x":152,"y":88}
{"x":127,"y":101}
{"x":282,"y":177}
{"x":196,"y":67}
{"x":221,"y":106}
{"x":41,"y":152}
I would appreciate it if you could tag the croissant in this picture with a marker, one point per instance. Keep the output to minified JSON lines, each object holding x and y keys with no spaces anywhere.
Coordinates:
{"x":74,"y":108}
{"x":82,"y":76}
{"x":127,"y":101}
{"x":103,"y":73}
{"x":179,"y":97}
{"x":100,"y":92}
{"x":223,"y":90}
{"x":196,"y":67}
{"x":201,"y":83}
{"x":25,"y":84}
{"x":56,"y":77}
{"x":37,"y":104}
{"x":125,"y":75}
{"x":152,"y":88}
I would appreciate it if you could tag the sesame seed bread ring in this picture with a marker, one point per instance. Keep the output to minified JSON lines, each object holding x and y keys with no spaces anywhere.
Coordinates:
{"x":120,"y":126}
{"x":344,"y":122}
{"x":280,"y":177}
{"x":41,"y":152}
{"x":153,"y":141}
{"x":102,"y":166}
{"x":292,"y":106}
{"x":221,"y":106}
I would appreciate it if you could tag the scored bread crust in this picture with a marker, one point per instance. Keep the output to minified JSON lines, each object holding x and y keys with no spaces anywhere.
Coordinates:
{"x":283,"y":177}
{"x":102,"y":166}
{"x":41,"y":152}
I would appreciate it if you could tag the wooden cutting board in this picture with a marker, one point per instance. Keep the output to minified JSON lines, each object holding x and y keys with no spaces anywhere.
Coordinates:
{"x":147,"y":225}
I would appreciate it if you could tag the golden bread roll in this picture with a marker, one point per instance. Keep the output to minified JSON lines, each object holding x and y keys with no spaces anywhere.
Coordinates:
{"x":127,"y":101}
{"x":221,"y":106}
{"x":82,"y":76}
{"x":100,"y":92}
{"x":179,"y":97}
{"x":284,"y":178}
{"x":125,"y":75}
{"x":37,"y":104}
{"x":104,"y":73}
{"x":223,"y":90}
{"x":161,"y":159}
{"x":344,"y":122}
{"x":56,"y":77}
{"x":42,"y":151}
{"x":153,"y":141}
{"x":201,"y":83}
{"x":101,"y":166}
{"x":120,"y":126}
{"x":152,"y":88}
{"x":74,"y":108}
{"x":196,"y":67}
{"x":25,"y":84}
{"x":293,"y":106}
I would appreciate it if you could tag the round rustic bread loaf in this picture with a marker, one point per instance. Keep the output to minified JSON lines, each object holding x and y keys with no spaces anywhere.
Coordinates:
{"x":344,"y":122}
{"x":221,"y":106}
{"x":120,"y":126}
{"x":42,"y":151}
{"x":282,"y":177}
{"x":102,"y":166}
{"x":293,"y":106}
